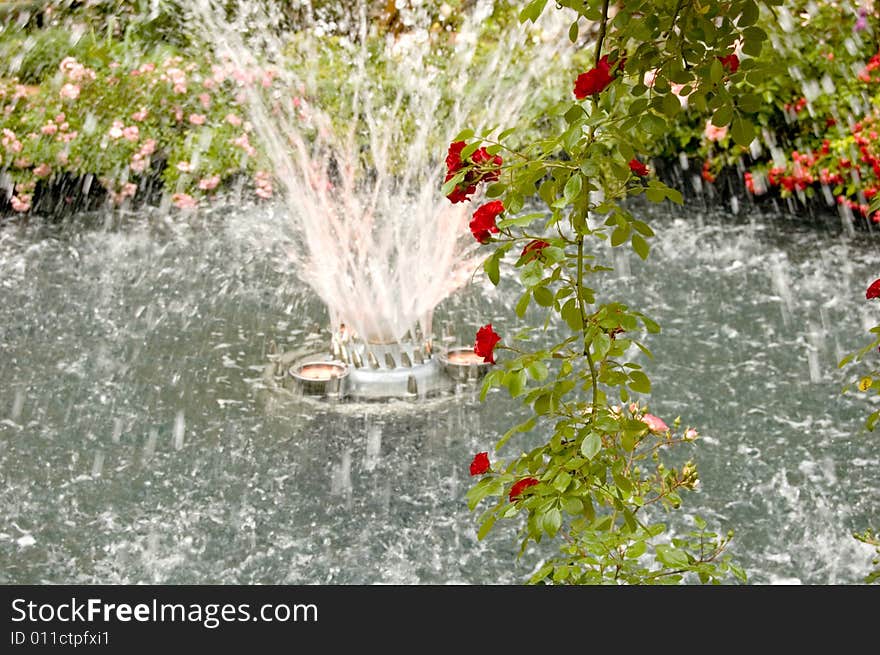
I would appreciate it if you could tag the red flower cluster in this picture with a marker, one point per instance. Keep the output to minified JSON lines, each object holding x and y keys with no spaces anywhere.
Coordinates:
{"x":484,"y":346}
{"x":596,"y":79}
{"x":480,"y":464}
{"x":830,"y":169}
{"x":872,"y":65}
{"x":482,"y":167}
{"x":534,"y":246}
{"x":706,"y":172}
{"x":521,"y":485}
{"x":638,"y":167}
{"x":730,"y":62}
{"x":483,"y":224}
{"x":795,"y":107}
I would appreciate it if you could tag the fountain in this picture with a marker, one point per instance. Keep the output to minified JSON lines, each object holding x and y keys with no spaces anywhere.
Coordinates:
{"x":367,"y":228}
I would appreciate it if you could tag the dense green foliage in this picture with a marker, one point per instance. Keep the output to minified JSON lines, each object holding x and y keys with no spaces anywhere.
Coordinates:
{"x":603,"y":476}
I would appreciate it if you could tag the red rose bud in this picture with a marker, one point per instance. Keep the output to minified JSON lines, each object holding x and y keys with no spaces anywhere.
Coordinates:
{"x":873,"y":290}
{"x":521,"y":485}
{"x":483,"y":224}
{"x":480,"y":464}
{"x":730,"y":62}
{"x":594,"y":80}
{"x":638,"y":167}
{"x":484,"y":346}
{"x":534,"y":246}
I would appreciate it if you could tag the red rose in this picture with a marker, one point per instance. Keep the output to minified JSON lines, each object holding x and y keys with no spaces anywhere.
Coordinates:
{"x":484,"y":346}
{"x":482,"y":157}
{"x":480,"y":464}
{"x":535,"y":246}
{"x":873,"y":290}
{"x":461,"y":192}
{"x":483,"y":223}
{"x":730,"y":62}
{"x":453,"y":156}
{"x":638,"y":167}
{"x":521,"y":485}
{"x":594,"y":80}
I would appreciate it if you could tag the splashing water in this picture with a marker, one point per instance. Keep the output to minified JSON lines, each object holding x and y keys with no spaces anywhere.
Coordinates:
{"x":369,"y":230}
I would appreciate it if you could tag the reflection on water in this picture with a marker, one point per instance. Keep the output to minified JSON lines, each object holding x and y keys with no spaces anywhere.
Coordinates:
{"x":136,"y":444}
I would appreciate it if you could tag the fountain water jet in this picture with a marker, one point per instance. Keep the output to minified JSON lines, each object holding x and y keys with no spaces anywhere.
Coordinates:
{"x":368,"y":229}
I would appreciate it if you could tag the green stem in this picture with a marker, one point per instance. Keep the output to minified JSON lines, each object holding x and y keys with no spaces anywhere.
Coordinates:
{"x":583,"y":312}
{"x":603,"y":28}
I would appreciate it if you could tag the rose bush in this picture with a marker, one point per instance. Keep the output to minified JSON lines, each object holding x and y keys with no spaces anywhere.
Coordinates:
{"x":868,"y":383}
{"x":597,"y":470}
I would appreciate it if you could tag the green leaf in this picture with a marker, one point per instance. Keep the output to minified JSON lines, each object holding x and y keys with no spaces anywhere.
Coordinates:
{"x":620,"y":235}
{"x":573,"y":505}
{"x":749,"y":102}
{"x":671,"y":105}
{"x":654,"y":195}
{"x":491,"y":268}
{"x":532,"y":10}
{"x":742,"y":131}
{"x":716,"y":72}
{"x":487,"y":525}
{"x":672,"y":557}
{"x":470,"y":149}
{"x":543,"y":404}
{"x":722,"y":115}
{"x":653,"y":124}
{"x":492,"y":379}
{"x":636,"y":550}
{"x":601,"y":346}
{"x":552,"y":522}
{"x":591,"y":445}
{"x":573,"y":32}
{"x":495,"y":190}
{"x":543,"y":296}
{"x":523,"y":304}
{"x":538,"y":371}
{"x":484,"y":488}
{"x":464,"y":135}
{"x":643,"y":228}
{"x":520,"y":221}
{"x":571,"y":314}
{"x":650,"y":324}
{"x":640,"y":246}
{"x":572,"y":188}
{"x":639,"y":382}
{"x":561,"y":481}
{"x":749,"y":14}
{"x":531,"y":274}
{"x":516,"y":382}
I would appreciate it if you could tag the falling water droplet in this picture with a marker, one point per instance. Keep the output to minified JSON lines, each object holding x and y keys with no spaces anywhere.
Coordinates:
{"x":17,"y":405}
{"x":179,"y":429}
{"x":373,"y":447}
{"x":98,"y":464}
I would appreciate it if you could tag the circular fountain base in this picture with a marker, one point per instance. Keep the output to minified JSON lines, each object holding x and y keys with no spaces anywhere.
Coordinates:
{"x":325,"y":376}
{"x":419,"y":380}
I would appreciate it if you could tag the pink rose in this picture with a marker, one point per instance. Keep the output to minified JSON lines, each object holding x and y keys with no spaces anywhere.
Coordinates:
{"x":70,"y":91}
{"x":184,"y":201}
{"x":713,"y":132}
{"x":209,"y":183}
